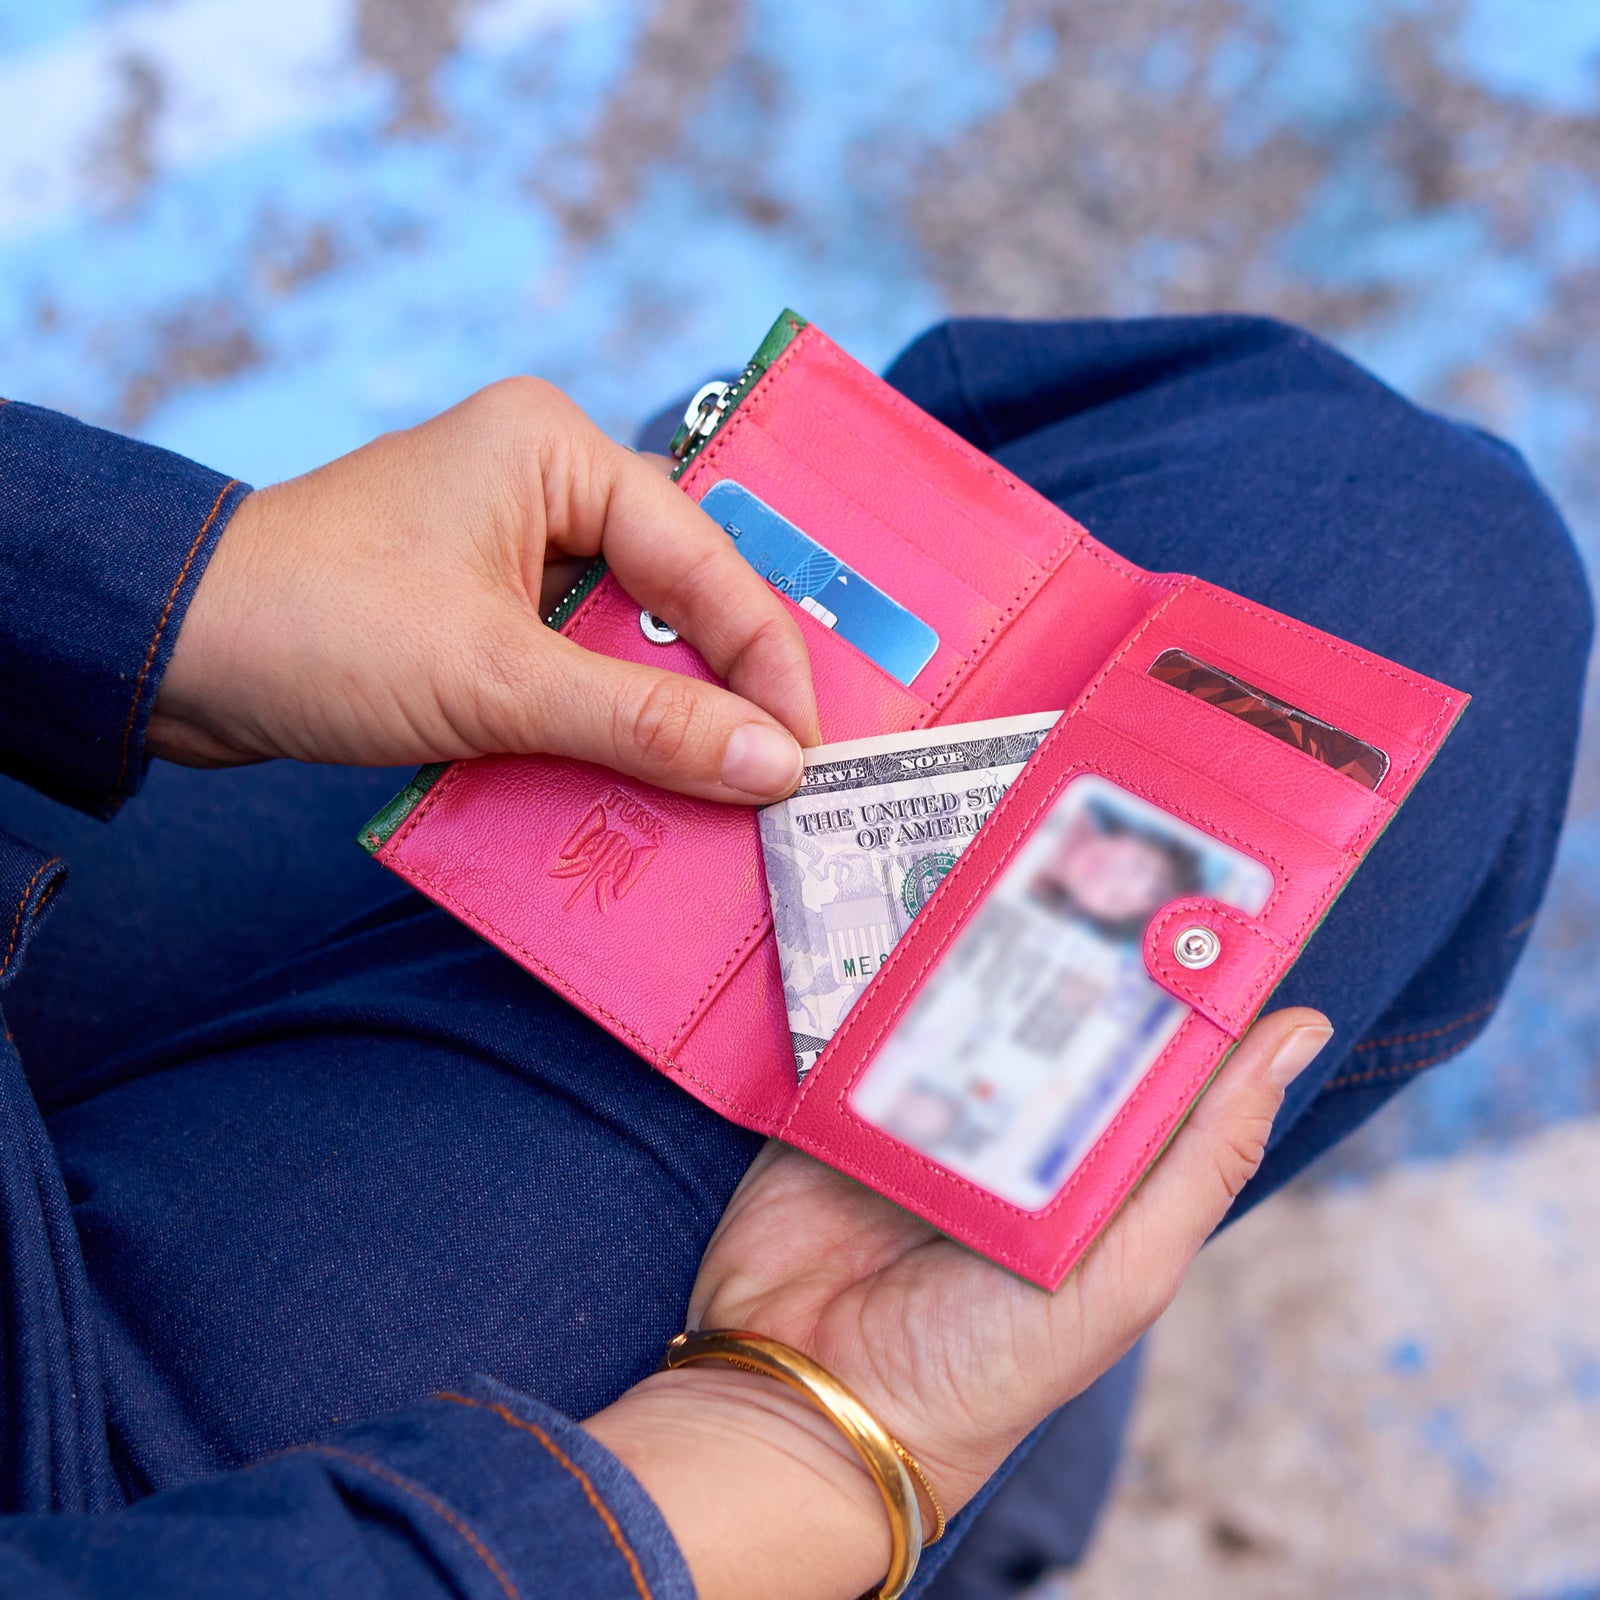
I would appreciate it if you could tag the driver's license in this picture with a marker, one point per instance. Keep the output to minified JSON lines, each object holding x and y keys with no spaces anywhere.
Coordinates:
{"x":1029,"y":1036}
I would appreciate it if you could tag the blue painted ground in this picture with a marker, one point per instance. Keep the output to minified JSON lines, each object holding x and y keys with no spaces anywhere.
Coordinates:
{"x":260,"y":239}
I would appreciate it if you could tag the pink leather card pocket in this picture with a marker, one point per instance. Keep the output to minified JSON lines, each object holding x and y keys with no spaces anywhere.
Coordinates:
{"x":1012,"y":1072}
{"x":1025,"y":1148}
{"x":646,"y":909}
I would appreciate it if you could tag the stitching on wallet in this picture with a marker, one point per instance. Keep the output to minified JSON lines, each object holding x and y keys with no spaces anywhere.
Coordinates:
{"x":1427,"y":1033}
{"x":580,"y":619}
{"x":591,"y":1494}
{"x":750,"y":410}
{"x":1399,"y":1069}
{"x":430,"y":1500}
{"x":1093,"y":547}
{"x":980,"y":648}
{"x":651,"y":1053}
{"x":22,"y":906}
{"x":1236,"y":1019}
{"x":161,"y":628}
{"x":1362,"y":659}
{"x":756,"y":929}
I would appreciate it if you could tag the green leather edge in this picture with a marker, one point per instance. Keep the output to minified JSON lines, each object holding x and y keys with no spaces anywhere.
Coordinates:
{"x":377,"y":832}
{"x":778,"y":338}
{"x":383,"y":826}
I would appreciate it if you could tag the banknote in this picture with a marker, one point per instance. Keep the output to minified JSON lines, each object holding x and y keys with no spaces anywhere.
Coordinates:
{"x":854,"y":853}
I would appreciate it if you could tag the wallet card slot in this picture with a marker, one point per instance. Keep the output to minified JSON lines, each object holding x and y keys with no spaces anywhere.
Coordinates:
{"x":1357,"y":760}
{"x":1402,"y":713}
{"x":940,"y":528}
{"x":1271,"y":776}
{"x":840,"y":400}
{"x":959,"y":613}
{"x":855,"y":696}
{"x":1306,"y":873}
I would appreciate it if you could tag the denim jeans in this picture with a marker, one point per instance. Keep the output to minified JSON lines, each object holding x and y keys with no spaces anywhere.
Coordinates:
{"x":327,"y":1152}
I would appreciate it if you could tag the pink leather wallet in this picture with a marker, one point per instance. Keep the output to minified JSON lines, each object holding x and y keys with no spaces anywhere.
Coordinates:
{"x":677,"y":958}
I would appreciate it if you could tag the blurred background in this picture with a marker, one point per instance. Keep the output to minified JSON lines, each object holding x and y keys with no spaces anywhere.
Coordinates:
{"x":261,"y":234}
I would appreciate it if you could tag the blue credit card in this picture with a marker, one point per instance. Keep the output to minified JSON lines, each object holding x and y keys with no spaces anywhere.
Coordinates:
{"x":817,"y":581}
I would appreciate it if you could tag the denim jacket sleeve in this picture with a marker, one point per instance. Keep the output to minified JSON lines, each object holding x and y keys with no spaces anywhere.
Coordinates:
{"x":481,"y":1492}
{"x":102,"y":544}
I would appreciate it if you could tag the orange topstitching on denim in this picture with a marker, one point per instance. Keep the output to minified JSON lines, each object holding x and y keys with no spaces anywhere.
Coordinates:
{"x":1398,"y":1069}
{"x":1428,"y":1033}
{"x":601,"y":1509}
{"x":161,"y":627}
{"x":431,"y":1501}
{"x":22,"y":906}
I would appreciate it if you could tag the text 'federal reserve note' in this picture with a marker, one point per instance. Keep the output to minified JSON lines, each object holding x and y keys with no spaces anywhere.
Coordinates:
{"x":854,"y":853}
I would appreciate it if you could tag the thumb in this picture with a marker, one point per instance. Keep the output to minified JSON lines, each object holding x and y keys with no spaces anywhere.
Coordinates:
{"x":1226,"y":1139}
{"x":1188,"y":1192}
{"x":676,"y":732}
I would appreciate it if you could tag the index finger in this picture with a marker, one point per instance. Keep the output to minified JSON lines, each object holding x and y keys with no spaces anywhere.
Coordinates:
{"x":672,"y":558}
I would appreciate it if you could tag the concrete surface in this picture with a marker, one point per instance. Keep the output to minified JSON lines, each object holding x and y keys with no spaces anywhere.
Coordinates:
{"x":1389,"y":1389}
{"x":260,"y":234}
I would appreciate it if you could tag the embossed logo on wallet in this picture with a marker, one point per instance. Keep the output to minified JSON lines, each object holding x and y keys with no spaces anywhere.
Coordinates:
{"x":608,"y":851}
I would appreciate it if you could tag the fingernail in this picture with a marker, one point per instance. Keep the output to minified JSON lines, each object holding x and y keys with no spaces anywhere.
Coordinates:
{"x":761,"y":760}
{"x":1297,"y":1052}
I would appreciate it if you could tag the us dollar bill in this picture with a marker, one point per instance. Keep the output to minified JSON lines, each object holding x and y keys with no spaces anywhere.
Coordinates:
{"x":856,"y":851}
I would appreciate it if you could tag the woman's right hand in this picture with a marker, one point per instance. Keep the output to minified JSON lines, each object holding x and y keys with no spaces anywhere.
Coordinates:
{"x":957,"y":1357}
{"x":386,"y":610}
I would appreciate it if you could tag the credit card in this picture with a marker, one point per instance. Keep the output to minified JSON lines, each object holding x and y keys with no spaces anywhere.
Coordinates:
{"x":834,"y":593}
{"x":1345,"y":753}
{"x":1030,"y":1034}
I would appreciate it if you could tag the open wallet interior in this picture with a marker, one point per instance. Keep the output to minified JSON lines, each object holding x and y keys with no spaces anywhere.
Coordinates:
{"x":678,"y":959}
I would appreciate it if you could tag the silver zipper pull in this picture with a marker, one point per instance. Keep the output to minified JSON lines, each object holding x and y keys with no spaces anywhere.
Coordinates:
{"x":702,"y":415}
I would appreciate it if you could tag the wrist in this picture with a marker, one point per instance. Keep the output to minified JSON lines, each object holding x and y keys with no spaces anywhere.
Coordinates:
{"x":188,"y":721}
{"x":761,"y":1491}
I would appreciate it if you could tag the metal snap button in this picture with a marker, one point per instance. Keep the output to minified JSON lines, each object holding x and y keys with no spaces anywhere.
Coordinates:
{"x":1196,"y":947}
{"x":655,"y":630}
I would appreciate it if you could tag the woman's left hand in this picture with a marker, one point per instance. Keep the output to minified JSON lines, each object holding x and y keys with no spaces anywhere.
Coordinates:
{"x":957,"y":1357}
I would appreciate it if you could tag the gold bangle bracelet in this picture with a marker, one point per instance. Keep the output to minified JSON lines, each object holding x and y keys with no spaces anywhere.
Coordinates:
{"x":880,"y":1454}
{"x":915,"y":1467}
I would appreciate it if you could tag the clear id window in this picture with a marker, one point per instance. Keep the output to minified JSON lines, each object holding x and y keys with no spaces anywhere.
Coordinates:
{"x":1029,"y":1036}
